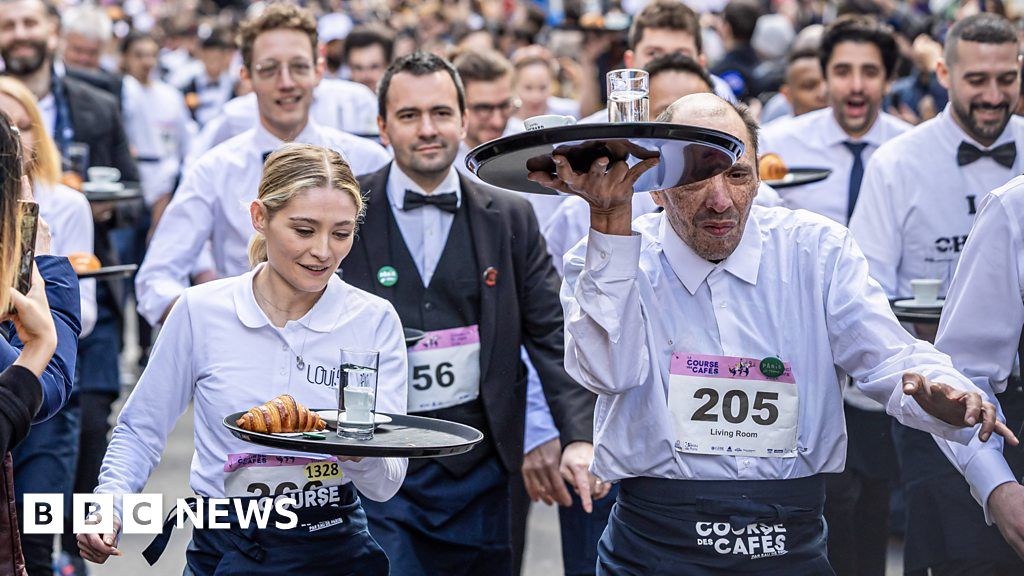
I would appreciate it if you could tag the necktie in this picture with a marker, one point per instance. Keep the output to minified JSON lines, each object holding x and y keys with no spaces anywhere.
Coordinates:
{"x":448,"y":201}
{"x":1005,"y":155}
{"x":856,"y":174}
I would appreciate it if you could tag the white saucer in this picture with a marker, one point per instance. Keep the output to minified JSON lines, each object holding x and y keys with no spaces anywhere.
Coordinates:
{"x":330,"y":417}
{"x":103,"y":187}
{"x":919,"y":305}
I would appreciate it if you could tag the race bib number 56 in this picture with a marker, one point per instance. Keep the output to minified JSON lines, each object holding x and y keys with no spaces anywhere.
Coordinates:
{"x":726,"y":405}
{"x":444,"y":369}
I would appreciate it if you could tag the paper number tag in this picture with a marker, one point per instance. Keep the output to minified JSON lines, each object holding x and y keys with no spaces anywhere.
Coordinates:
{"x":323,"y":471}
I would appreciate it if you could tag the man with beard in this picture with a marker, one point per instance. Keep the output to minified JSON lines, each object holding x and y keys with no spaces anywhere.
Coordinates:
{"x":713,"y":333}
{"x":467,"y":264}
{"x":920,"y":195}
{"x":858,"y":56}
{"x":73,"y":112}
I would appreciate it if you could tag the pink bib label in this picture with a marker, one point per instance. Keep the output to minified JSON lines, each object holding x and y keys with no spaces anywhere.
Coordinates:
{"x":731,"y":367}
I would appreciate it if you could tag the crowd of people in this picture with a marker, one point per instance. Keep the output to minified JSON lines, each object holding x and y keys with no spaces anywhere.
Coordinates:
{"x":303,"y":186}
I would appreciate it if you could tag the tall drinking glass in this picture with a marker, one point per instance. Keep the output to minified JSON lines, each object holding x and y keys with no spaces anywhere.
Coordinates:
{"x":357,"y":393}
{"x":628,"y":95}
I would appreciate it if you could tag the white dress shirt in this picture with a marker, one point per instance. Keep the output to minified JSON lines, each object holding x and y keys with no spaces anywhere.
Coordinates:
{"x":219,"y":351}
{"x":981,"y":324}
{"x":815,"y":140}
{"x":425,"y":230}
{"x":212,"y":203}
{"x":159,"y":128}
{"x":917,"y":205}
{"x":340,"y":104}
{"x":796,"y":288}
{"x":69,"y":216}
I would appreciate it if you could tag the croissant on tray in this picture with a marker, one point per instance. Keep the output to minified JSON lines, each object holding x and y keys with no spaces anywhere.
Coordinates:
{"x":282,"y":414}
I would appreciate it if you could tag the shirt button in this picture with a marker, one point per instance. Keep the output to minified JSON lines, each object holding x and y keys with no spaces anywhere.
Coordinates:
{"x":284,"y":347}
{"x":428,"y":306}
{"x":723,"y":305}
{"x":283,"y":371}
{"x":669,"y":342}
{"x":604,"y":254}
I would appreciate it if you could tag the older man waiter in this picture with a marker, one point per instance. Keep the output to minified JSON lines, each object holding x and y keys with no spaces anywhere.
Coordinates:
{"x":714,"y":334}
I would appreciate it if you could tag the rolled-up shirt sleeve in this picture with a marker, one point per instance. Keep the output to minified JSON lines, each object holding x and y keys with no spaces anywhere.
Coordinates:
{"x":605,"y":337}
{"x":980,"y":329}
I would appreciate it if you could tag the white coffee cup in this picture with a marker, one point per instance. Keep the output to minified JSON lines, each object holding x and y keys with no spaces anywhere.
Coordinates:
{"x":926,"y":290}
{"x":548,"y":121}
{"x":103,"y":174}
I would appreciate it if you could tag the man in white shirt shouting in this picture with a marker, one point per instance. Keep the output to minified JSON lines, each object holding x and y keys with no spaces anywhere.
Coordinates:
{"x":920,"y":195}
{"x":713,"y":333}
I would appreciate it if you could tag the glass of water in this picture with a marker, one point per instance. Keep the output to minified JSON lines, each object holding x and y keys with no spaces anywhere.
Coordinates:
{"x":628,"y":95}
{"x":357,"y":393}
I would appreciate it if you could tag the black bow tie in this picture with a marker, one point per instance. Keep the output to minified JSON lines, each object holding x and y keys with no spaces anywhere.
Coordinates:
{"x":1004,"y":155}
{"x":449,"y":201}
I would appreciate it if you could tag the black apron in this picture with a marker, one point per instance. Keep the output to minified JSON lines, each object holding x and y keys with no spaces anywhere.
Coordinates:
{"x":703,"y":528}
{"x":329,"y":540}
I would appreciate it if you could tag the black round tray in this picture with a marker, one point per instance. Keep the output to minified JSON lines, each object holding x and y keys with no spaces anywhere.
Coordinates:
{"x":799,"y":177}
{"x":918,"y":315}
{"x":412,"y":336}
{"x":110,"y":271}
{"x":405,"y":436}
{"x":688,"y":154}
{"x":132,"y":191}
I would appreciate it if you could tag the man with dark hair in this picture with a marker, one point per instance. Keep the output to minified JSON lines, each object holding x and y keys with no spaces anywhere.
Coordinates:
{"x":919,"y":199}
{"x":662,"y":27}
{"x":803,"y":84}
{"x":213,"y":85}
{"x":452,"y":515}
{"x":367,"y":53}
{"x":673,"y":76}
{"x":487,"y":80}
{"x":718,"y":419}
{"x":858,"y":55}
{"x":738,"y":64}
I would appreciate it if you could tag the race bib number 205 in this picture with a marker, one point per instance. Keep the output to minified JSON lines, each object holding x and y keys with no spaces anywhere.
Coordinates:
{"x":732,"y":406}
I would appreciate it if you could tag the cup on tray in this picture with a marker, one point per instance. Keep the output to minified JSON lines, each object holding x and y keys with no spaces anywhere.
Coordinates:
{"x":926,"y":290}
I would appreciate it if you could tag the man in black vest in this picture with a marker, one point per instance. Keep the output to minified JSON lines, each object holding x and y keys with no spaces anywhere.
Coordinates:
{"x":469,"y":266}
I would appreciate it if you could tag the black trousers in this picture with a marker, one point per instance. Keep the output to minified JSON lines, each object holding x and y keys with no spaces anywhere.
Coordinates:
{"x":857,"y":500}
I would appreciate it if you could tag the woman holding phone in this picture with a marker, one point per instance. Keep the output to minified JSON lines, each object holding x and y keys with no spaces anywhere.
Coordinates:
{"x":235,"y":343}
{"x":50,"y":460}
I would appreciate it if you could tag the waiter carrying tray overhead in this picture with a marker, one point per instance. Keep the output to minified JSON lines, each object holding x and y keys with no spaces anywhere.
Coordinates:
{"x":713,"y":333}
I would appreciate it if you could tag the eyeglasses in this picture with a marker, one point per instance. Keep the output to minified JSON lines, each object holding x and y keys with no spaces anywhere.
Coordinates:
{"x":506,"y":108}
{"x":296,"y":69}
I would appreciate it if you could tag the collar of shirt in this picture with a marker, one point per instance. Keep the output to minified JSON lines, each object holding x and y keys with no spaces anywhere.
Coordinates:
{"x":399,"y":182}
{"x":833,"y":134}
{"x":48,"y":110}
{"x":322,"y":317}
{"x":692,"y":270}
{"x":954,"y":134}
{"x":264,"y":141}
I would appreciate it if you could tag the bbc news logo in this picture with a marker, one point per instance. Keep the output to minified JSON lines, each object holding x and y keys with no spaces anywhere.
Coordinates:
{"x":144,"y":513}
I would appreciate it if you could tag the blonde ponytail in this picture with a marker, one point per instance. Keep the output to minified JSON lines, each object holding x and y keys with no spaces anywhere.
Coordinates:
{"x":292,"y":169}
{"x":257,"y":250}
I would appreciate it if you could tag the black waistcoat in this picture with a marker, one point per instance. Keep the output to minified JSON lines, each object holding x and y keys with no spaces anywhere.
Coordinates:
{"x":451,"y":300}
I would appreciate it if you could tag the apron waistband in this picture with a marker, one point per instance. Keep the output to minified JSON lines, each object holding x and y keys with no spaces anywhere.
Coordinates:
{"x":239,"y":538}
{"x":741,"y":502}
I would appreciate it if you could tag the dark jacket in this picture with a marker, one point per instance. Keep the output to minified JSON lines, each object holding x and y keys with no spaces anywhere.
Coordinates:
{"x":521,"y":308}
{"x":106,"y":81}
